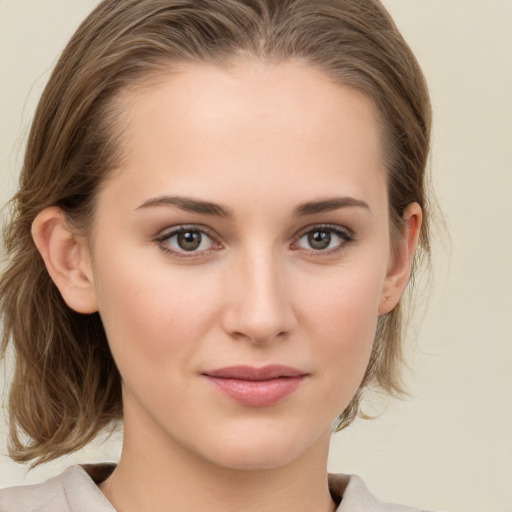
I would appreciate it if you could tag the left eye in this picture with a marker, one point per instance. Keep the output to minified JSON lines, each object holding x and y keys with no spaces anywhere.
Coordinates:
{"x":187,"y":240}
{"x":323,"y":238}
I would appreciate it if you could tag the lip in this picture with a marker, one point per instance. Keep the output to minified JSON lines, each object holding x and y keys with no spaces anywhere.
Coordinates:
{"x":257,"y":387}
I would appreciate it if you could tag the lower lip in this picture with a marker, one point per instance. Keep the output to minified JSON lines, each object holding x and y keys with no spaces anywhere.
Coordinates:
{"x":257,"y":393}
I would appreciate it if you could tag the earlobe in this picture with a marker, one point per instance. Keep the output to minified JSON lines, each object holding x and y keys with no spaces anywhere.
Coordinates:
{"x":66,"y":258}
{"x":400,"y":267}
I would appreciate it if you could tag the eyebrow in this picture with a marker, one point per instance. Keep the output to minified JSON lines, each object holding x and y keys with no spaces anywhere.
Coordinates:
{"x":189,"y":205}
{"x":208,"y":208}
{"x":328,"y":205}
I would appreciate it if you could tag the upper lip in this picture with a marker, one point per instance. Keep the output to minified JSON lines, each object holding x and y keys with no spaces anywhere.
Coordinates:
{"x":273,"y":371}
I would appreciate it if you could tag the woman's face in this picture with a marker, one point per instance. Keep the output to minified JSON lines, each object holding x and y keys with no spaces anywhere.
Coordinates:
{"x":240,"y":259}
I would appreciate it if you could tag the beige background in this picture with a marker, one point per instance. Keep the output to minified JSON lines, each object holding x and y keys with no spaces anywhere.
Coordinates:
{"x":450,"y":447}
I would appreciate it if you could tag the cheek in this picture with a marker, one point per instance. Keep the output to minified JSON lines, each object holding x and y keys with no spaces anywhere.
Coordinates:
{"x":345,"y":301}
{"x":343,"y":322}
{"x":150,"y":313}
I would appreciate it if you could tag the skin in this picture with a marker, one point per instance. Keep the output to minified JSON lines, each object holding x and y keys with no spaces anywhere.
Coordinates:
{"x":260,"y":140}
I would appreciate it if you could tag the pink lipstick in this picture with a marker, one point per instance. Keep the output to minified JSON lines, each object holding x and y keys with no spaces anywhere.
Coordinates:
{"x":257,"y":387}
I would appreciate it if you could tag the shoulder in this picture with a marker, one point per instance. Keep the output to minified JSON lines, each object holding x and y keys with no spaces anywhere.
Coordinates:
{"x":355,"y":497}
{"x":74,"y":490}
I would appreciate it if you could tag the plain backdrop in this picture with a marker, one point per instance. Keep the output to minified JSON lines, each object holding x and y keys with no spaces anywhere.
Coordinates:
{"x":449,"y":447}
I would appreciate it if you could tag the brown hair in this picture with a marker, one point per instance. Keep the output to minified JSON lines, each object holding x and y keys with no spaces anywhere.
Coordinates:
{"x":66,"y":386}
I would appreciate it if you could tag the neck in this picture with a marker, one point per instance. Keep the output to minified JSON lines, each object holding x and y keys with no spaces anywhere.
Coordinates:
{"x":160,"y":477}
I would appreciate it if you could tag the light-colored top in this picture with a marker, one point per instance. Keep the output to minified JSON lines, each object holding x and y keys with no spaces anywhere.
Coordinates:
{"x":76,"y":490}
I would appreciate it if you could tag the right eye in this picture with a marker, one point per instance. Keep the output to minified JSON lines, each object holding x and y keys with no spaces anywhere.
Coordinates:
{"x":186,"y":240}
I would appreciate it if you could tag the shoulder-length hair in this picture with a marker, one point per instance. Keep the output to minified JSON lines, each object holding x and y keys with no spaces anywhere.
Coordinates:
{"x":66,"y":386}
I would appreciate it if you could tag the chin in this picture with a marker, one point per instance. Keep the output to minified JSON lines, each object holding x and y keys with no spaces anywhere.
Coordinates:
{"x":265,"y":449}
{"x":247,"y":458}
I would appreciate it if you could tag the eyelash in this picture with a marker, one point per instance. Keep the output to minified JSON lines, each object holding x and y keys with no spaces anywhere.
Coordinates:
{"x":173,"y":232}
{"x":345,"y":235}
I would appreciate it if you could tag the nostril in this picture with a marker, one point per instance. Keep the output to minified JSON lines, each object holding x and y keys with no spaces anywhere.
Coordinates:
{"x":259,"y":307}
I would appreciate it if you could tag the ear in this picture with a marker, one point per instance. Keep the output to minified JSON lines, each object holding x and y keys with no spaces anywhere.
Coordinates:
{"x":399,"y":270}
{"x":67,"y":259}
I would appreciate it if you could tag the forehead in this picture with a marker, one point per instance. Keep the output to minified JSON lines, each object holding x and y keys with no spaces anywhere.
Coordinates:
{"x":280,"y":124}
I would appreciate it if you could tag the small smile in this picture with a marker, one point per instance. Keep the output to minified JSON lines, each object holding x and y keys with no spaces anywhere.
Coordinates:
{"x":257,"y":387}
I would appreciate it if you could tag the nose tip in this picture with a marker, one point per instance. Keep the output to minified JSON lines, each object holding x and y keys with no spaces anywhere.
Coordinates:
{"x":259,"y":308}
{"x":259,"y":335}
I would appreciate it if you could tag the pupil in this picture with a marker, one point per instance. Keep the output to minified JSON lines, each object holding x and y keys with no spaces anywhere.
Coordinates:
{"x":189,"y":240}
{"x":319,"y":239}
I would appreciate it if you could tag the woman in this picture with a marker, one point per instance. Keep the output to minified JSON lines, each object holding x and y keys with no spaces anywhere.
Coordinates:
{"x":220,"y":208}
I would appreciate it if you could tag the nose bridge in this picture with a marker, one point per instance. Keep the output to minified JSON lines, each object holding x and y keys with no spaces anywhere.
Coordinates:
{"x":259,"y":306}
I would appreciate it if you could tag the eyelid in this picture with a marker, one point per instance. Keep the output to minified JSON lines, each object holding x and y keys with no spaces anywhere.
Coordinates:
{"x":169,"y":232}
{"x":346,"y":234}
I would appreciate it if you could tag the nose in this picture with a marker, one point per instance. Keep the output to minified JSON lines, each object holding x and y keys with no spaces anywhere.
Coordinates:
{"x":258,"y":305}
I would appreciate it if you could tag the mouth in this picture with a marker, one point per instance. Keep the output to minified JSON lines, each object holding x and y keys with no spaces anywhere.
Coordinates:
{"x":256,"y":387}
